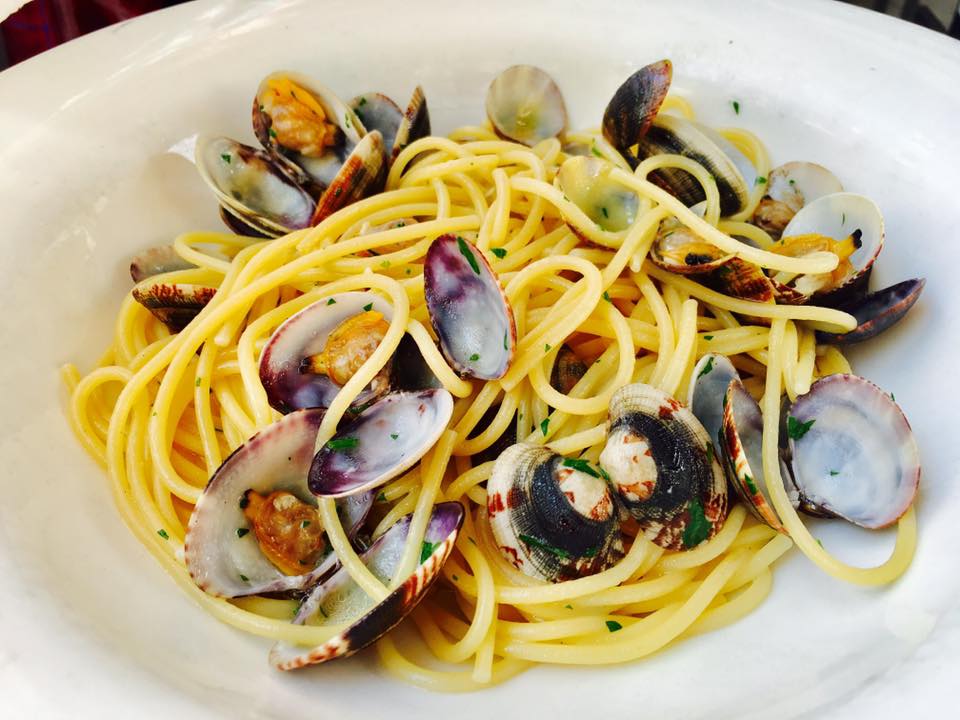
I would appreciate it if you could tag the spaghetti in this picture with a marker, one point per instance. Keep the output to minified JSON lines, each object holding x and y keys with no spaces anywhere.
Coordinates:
{"x":162,"y":411}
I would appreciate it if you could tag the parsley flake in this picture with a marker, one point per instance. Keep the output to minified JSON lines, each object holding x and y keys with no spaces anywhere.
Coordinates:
{"x":242,"y":531}
{"x":581,"y":465}
{"x":272,"y":133}
{"x":163,"y":533}
{"x":244,"y":577}
{"x":368,"y":307}
{"x":709,"y":453}
{"x":834,"y":473}
{"x":793,"y":182}
{"x":698,"y":528}
{"x":543,"y":545}
{"x":613,"y":626}
{"x":426,"y":550}
{"x":455,"y":577}
{"x":382,"y":497}
{"x":843,"y":219}
{"x":504,"y":340}
{"x":569,"y":607}
{"x":331,"y":301}
{"x":736,"y":106}
{"x":344,"y":443}
{"x":304,"y":524}
{"x":706,"y":369}
{"x":384,"y":264}
{"x":595,"y":151}
{"x":468,"y":254}
{"x":708,"y":338}
{"x":751,"y":484}
{"x":546,"y":347}
{"x":544,"y":426}
{"x":893,"y":397}
{"x":197,"y":383}
{"x":797,"y":429}
{"x":394,"y":436}
{"x":363,"y":101}
{"x":346,"y":119}
{"x":761,"y":180}
{"x":226,"y":158}
{"x":604,"y":211}
{"x":499,"y":252}
{"x":819,"y":543}
{"x":337,"y":190}
{"x":606,"y":296}
{"x":474,"y":357}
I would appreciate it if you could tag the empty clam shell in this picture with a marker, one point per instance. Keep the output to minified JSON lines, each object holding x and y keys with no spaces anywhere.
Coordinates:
{"x":525,"y":105}
{"x":634,"y":105}
{"x":586,"y":182}
{"x":174,"y":304}
{"x":877,"y":311}
{"x":733,"y":171}
{"x":387,"y":438}
{"x":378,"y":112}
{"x":553,"y":518}
{"x":468,"y":309}
{"x":852,"y":453}
{"x":789,"y":187}
{"x":253,"y":186}
{"x":305,"y":334}
{"x":339,"y":600}
{"x":414,"y":125}
{"x":156,"y":261}
{"x":662,"y":463}
{"x":712,"y":376}
{"x":222,"y":553}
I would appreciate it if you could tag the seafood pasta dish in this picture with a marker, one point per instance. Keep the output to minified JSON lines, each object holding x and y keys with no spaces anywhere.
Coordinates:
{"x":550,"y":396}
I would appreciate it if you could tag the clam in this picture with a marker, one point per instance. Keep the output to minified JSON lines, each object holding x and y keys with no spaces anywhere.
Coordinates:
{"x":468,"y":310}
{"x":251,"y":185}
{"x":156,"y":261}
{"x":567,"y":371}
{"x":586,"y":182}
{"x":851,"y":452}
{"x":339,"y":600}
{"x":634,"y":105}
{"x":387,"y":438}
{"x":361,"y":174}
{"x":553,"y":518}
{"x":255,"y":528}
{"x":712,"y":376}
{"x":789,"y":187}
{"x":174,"y":304}
{"x":876,"y":311}
{"x":309,"y":358}
{"x":414,"y":125}
{"x":844,"y":223}
{"x":678,"y":249}
{"x":240,"y":226}
{"x":378,"y":112}
{"x":733,"y":171}
{"x":664,"y":467}
{"x":525,"y":105}
{"x":742,"y":279}
{"x":306,"y":123}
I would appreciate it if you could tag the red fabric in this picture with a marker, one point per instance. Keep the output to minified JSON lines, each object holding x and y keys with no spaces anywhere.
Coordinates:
{"x":43,"y":24}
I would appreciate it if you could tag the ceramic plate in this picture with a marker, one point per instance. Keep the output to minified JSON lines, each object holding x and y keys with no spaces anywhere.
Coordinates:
{"x":91,"y":627}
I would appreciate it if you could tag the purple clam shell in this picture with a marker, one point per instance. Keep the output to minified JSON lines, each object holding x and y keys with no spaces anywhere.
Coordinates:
{"x":634,"y":105}
{"x":380,"y":443}
{"x":441,"y":533}
{"x":468,"y":309}
{"x":877,"y":311}
{"x":226,"y":563}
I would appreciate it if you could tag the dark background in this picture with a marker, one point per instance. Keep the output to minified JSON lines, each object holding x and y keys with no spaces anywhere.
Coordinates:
{"x":43,"y":24}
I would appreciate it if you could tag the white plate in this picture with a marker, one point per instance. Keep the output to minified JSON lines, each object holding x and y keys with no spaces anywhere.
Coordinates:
{"x":90,"y":626}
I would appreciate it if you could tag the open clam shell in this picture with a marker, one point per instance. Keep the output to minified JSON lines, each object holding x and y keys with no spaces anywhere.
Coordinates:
{"x":525,"y":105}
{"x":789,"y":187}
{"x":306,"y":123}
{"x":414,"y":125}
{"x":678,"y":249}
{"x":733,"y":171}
{"x":251,"y":185}
{"x":553,"y":518}
{"x":586,"y":182}
{"x":634,"y":105}
{"x":360,"y":175}
{"x":468,"y":310}
{"x":712,"y":376}
{"x":387,"y":438}
{"x":339,"y":600}
{"x":174,"y":304}
{"x":852,"y":453}
{"x":222,"y":554}
{"x":378,"y":112}
{"x":156,"y":261}
{"x":305,"y":334}
{"x":662,"y":463}
{"x":877,"y":311}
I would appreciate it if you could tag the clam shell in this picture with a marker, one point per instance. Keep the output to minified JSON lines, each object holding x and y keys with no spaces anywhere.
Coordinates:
{"x":733,"y":171}
{"x":553,"y":518}
{"x":673,"y":238}
{"x":712,"y":376}
{"x":877,"y":311}
{"x":378,"y":112}
{"x":468,"y":310}
{"x":226,"y":563}
{"x":174,"y":304}
{"x":585,"y":181}
{"x":303,"y":335}
{"x":525,"y":105}
{"x":414,"y":125}
{"x":634,"y":105}
{"x":342,"y":601}
{"x":567,"y":371}
{"x":662,"y":463}
{"x":852,"y":453}
{"x":789,"y":187}
{"x":156,"y":261}
{"x":360,"y":175}
{"x":387,"y":438}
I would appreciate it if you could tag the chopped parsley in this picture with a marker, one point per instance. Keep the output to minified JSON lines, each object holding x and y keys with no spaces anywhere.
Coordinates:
{"x":603,"y":473}
{"x":706,"y":369}
{"x":394,"y":436}
{"x":408,"y":271}
{"x":244,"y":502}
{"x":698,"y":528}
{"x":613,"y":626}
{"x":242,"y":531}
{"x":244,"y":577}
{"x":606,"y":296}
{"x":544,"y":426}
{"x":843,"y":219}
{"x":709,"y":453}
{"x":797,"y":429}
{"x":893,"y":397}
{"x":368,"y":307}
{"x":834,"y":473}
{"x":751,"y":484}
{"x":499,"y":252}
{"x":455,"y":577}
{"x":346,"y":119}
{"x":474,"y":357}
{"x":468,"y":254}
{"x":708,"y":338}
{"x":331,"y":301}
{"x":426,"y":550}
{"x":272,"y":133}
{"x":595,"y":151}
{"x":344,"y":443}
{"x":337,"y":190}
{"x":536,"y":542}
{"x":304,"y":524}
{"x":197,"y":383}
{"x":504,"y":340}
{"x":819,"y":543}
{"x":604,"y":211}
{"x":569,"y":607}
{"x":382,"y":497}
{"x":163,"y":533}
{"x":546,"y":347}
{"x":581,"y":465}
{"x":226,"y":158}
{"x":384,"y":264}
{"x":793,"y":182}
{"x":363,"y":101}
{"x":761,"y":180}
{"x":736,"y":106}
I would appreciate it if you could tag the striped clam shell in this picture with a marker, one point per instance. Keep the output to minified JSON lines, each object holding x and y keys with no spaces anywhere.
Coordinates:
{"x":664,"y":466}
{"x":342,"y":601}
